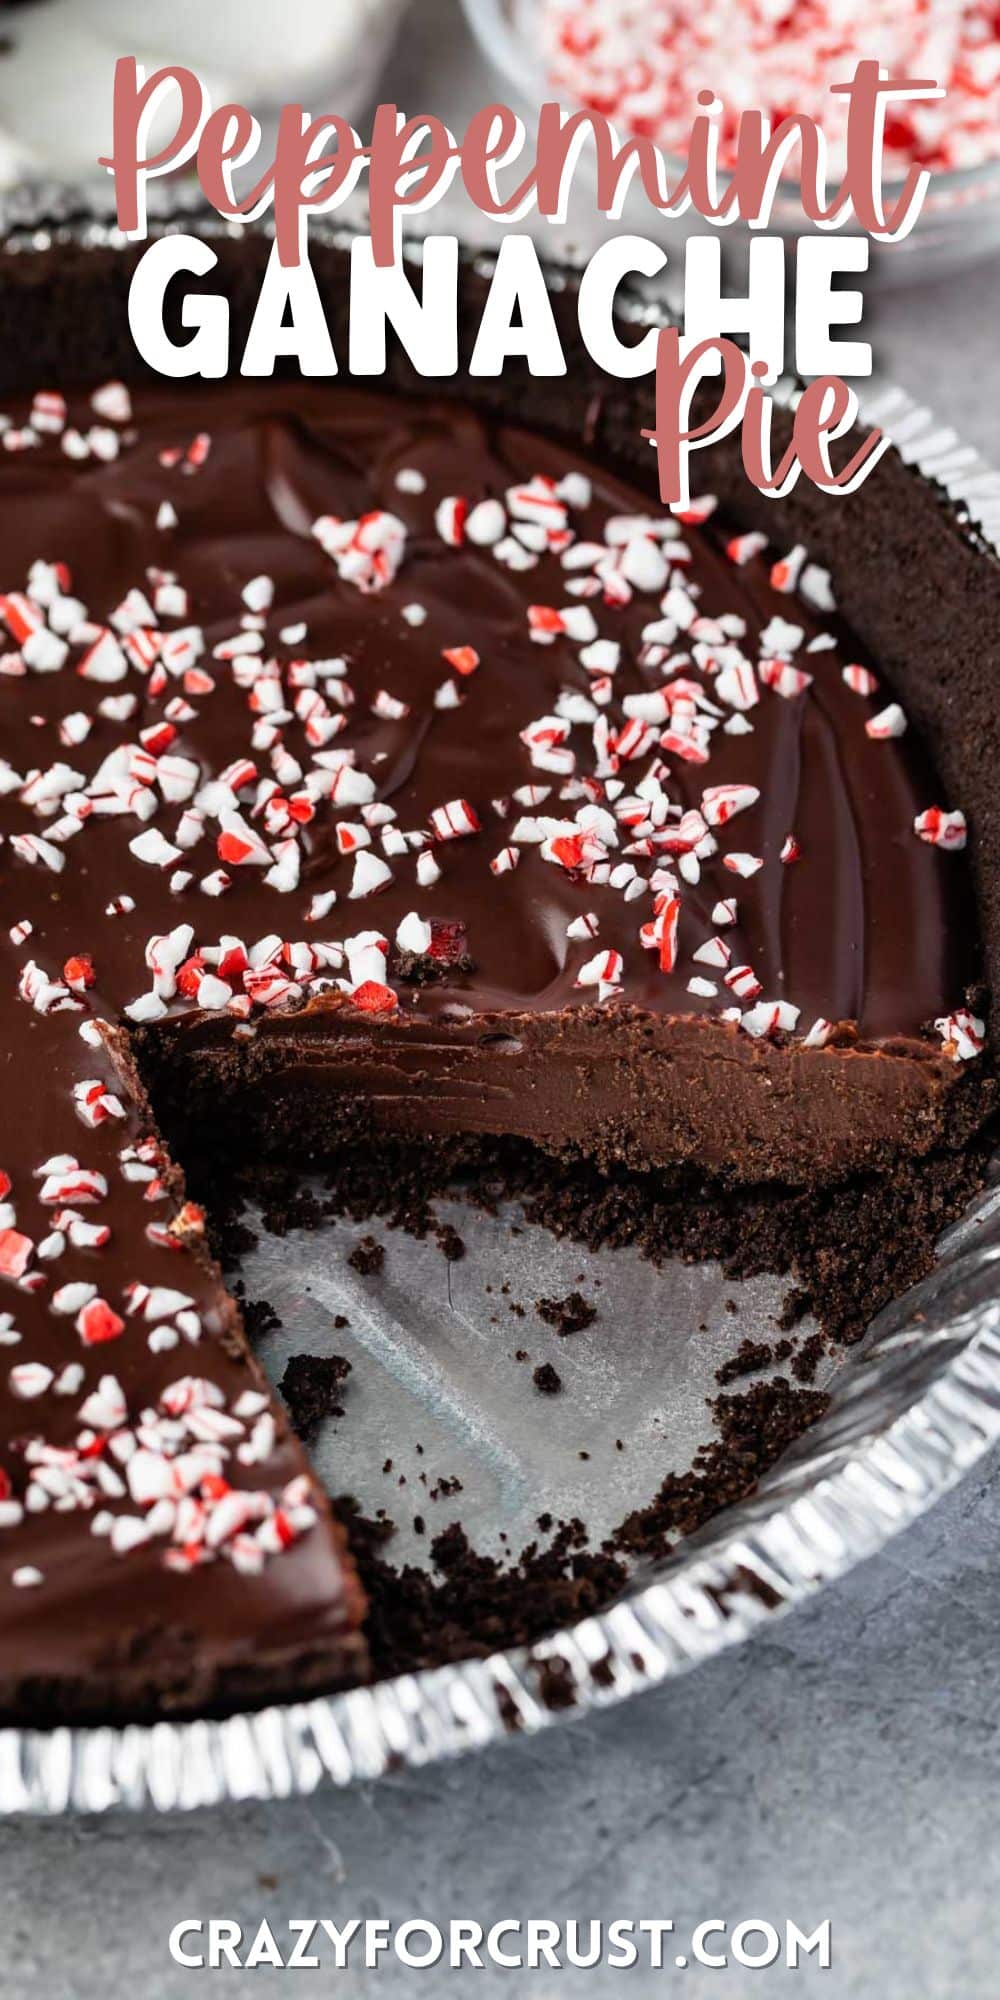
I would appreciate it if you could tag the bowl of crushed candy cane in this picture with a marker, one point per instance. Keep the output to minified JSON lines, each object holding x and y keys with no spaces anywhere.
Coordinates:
{"x":641,"y":63}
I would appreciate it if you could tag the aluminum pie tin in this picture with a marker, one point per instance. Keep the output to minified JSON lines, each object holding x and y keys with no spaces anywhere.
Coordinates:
{"x":911,"y":1410}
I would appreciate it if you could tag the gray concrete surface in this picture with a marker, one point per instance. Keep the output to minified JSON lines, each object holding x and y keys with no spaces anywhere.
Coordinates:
{"x":846,"y":1765}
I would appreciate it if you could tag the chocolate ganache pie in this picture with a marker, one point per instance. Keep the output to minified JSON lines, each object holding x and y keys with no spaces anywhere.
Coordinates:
{"x":380,"y":767}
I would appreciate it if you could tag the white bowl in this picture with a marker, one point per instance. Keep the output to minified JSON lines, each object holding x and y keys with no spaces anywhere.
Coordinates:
{"x":56,"y":81}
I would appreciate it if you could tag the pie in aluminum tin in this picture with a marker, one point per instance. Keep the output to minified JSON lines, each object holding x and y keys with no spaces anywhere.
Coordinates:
{"x":908,"y":1416}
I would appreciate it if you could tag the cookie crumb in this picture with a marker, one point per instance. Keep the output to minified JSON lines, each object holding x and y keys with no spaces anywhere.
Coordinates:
{"x":368,"y":1257}
{"x":311,"y":1387}
{"x":546,"y":1379}
{"x":569,"y":1315}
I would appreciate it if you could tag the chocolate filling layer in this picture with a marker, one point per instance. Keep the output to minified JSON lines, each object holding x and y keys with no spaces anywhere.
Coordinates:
{"x":163,"y":1541}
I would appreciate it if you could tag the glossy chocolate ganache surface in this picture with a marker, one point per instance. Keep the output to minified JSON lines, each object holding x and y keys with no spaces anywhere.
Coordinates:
{"x":385,"y":665}
{"x":358,"y":742}
{"x":620,"y":702}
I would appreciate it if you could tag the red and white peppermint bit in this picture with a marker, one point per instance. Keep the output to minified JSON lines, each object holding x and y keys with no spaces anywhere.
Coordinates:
{"x":370,"y":875}
{"x":97,"y":1322}
{"x":963,"y":1034}
{"x":889,"y":722}
{"x":715,"y":951}
{"x":367,"y":552}
{"x":504,"y":862}
{"x":742,"y":549}
{"x":374,"y":997}
{"x":859,"y":680}
{"x":45,"y":995}
{"x":238,"y":845}
{"x":389,"y":706}
{"x":743,"y":981}
{"x":113,"y":403}
{"x":449,"y":518}
{"x":736,"y":685}
{"x":941,"y":828}
{"x":66,"y":1183}
{"x":603,"y":972}
{"x":784,"y":678}
{"x":464,"y":659}
{"x":669,"y":919}
{"x":485,"y":524}
{"x":16,"y":1252}
{"x":818,"y":1035}
{"x":786,"y":571}
{"x":95,"y":1103}
{"x":454,"y":820}
{"x":769,"y":1017}
{"x":720,"y":803}
{"x":414,"y":934}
